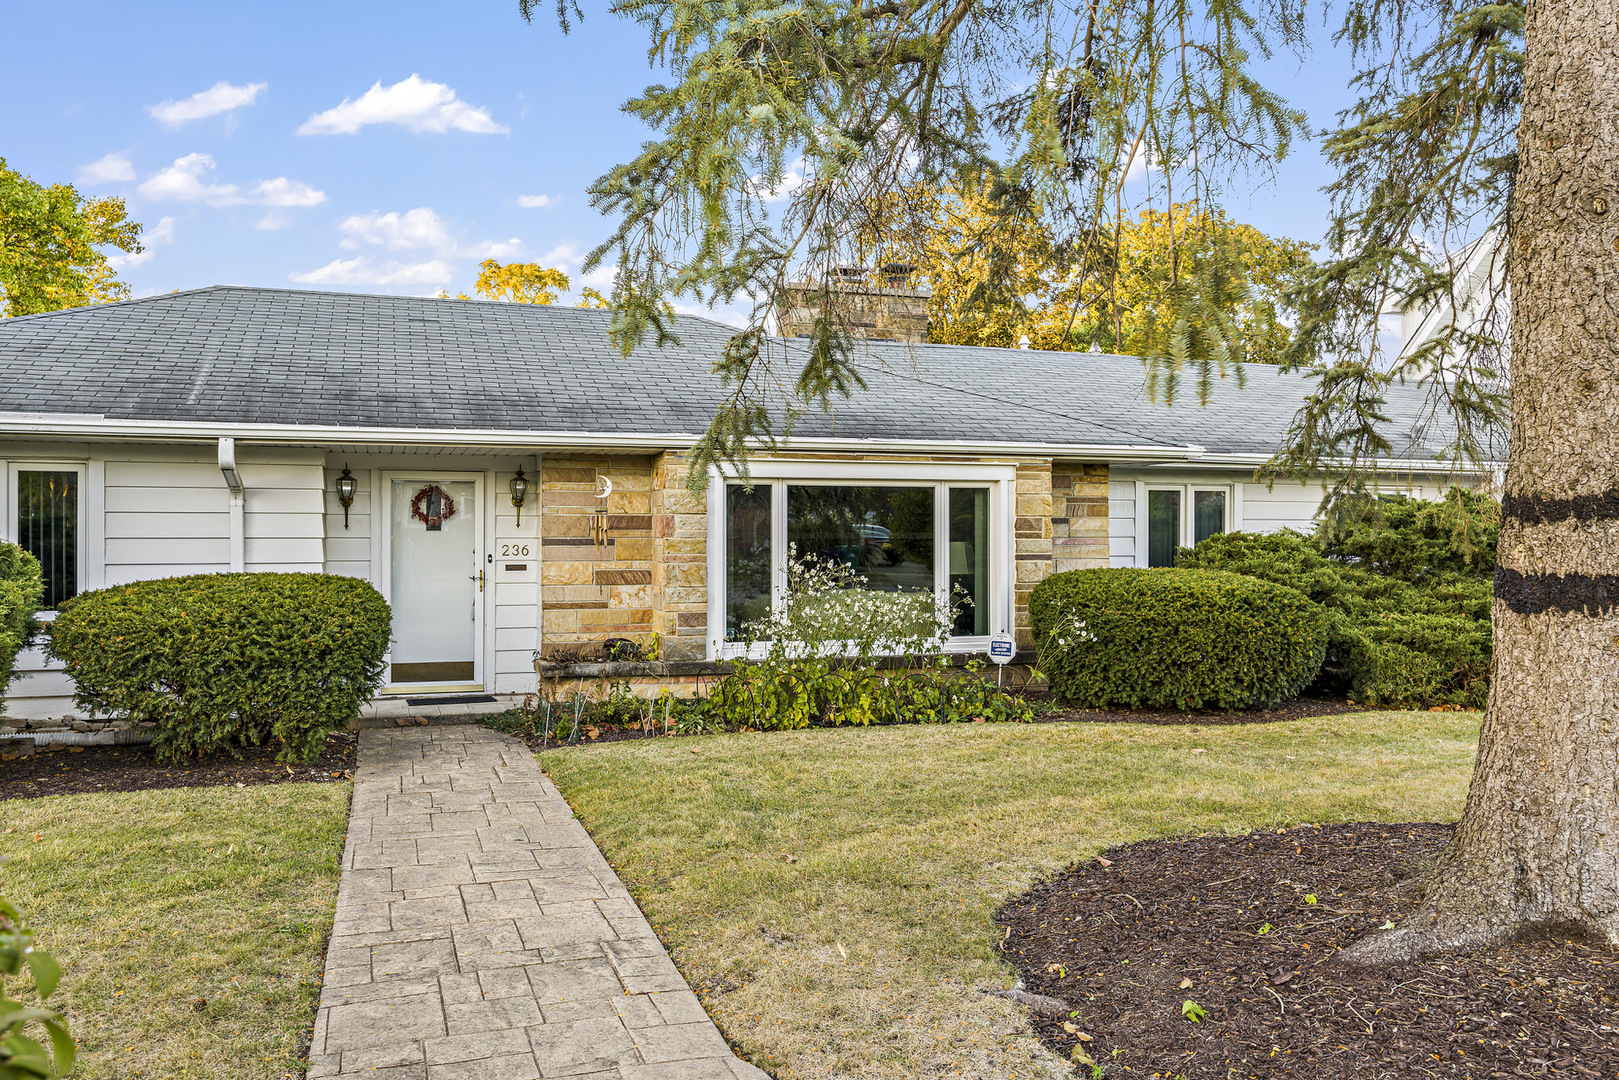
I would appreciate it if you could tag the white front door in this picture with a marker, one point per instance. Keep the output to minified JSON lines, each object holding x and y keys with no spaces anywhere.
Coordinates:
{"x":435,"y":576}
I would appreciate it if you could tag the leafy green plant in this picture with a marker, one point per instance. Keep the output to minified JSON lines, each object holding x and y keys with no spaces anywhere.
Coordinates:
{"x":1187,"y":639}
{"x":839,"y":653}
{"x":21,"y":1056}
{"x":1193,"y":1011}
{"x":224,"y":661}
{"x":1406,"y":585}
{"x":20,"y":592}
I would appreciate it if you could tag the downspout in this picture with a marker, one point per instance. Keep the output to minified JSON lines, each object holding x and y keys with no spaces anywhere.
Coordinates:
{"x":233,"y":481}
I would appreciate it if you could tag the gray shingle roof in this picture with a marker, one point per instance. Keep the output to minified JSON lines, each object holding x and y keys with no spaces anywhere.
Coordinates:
{"x":230,"y":354}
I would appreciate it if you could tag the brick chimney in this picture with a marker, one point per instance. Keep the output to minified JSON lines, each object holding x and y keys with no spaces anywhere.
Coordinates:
{"x":891,"y":311}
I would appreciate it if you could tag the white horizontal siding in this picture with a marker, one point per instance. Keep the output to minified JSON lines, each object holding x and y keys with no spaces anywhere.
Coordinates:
{"x":1121,"y":522}
{"x":282,"y":508}
{"x":1286,"y":506}
{"x":517,"y":592}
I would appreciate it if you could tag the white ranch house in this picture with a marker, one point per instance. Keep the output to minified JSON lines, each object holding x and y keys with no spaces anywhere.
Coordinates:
{"x":208,"y":431}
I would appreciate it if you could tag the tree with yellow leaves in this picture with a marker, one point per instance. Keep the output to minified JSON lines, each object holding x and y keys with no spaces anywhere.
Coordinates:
{"x":51,"y":241}
{"x":996,"y":274}
{"x":520,"y":283}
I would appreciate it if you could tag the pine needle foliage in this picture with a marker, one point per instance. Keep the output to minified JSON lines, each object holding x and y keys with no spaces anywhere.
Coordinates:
{"x":783,"y":125}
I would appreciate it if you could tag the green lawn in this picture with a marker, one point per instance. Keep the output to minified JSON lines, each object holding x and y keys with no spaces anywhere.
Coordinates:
{"x":155,"y":900}
{"x":875,"y":857}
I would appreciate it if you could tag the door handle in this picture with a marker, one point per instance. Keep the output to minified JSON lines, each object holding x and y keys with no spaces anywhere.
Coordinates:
{"x":478,"y":577}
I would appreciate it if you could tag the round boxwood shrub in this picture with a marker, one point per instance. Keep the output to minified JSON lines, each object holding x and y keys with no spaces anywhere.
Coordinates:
{"x":1188,"y":639}
{"x":225,"y":661}
{"x":20,"y":592}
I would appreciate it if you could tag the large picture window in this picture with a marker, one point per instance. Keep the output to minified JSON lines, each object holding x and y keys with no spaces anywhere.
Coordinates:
{"x":929,"y":535}
{"x":46,"y":505}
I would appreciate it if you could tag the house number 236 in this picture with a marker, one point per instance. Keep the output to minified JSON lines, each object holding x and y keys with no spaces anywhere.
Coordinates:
{"x":510,"y":550}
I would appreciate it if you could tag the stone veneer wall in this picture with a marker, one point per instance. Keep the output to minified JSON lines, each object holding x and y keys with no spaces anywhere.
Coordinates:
{"x":1079,"y":517}
{"x":1032,"y":537}
{"x":589,"y":593}
{"x":652,"y":573}
{"x":679,"y":562}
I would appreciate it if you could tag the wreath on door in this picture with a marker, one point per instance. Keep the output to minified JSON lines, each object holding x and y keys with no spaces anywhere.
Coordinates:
{"x":432,"y":505}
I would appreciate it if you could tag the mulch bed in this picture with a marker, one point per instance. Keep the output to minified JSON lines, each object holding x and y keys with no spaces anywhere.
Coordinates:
{"x":60,"y":770}
{"x":1225,"y":922}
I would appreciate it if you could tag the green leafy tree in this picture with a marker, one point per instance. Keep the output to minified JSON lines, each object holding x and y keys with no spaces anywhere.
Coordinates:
{"x":51,"y":246}
{"x":1471,"y":122}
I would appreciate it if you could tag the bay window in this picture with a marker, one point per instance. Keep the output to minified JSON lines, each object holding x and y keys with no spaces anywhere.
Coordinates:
{"x":905,"y":529}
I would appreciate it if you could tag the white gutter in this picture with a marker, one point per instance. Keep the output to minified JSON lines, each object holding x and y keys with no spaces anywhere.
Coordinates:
{"x":238,"y":504}
{"x":58,"y":425}
{"x":1246,"y":460}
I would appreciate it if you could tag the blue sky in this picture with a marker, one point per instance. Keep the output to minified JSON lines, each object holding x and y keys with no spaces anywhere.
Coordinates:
{"x":381,"y":147}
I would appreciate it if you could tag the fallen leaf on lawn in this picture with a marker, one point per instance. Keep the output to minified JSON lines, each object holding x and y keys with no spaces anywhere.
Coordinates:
{"x":843,"y":953}
{"x":1104,"y":862}
{"x":38,"y":837}
{"x":1186,"y":984}
{"x":1198,"y":750}
{"x":789,"y":858}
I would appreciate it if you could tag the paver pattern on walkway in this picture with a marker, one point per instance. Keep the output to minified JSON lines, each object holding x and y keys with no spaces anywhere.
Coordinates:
{"x":480,"y":935}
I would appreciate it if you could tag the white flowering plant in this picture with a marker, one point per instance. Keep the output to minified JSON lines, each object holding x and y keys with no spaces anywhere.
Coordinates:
{"x":841,"y":652}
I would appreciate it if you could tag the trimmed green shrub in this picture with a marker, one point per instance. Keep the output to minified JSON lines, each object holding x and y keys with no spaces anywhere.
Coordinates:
{"x":225,"y":661}
{"x":1189,"y":639}
{"x":20,"y":591}
{"x":1406,"y":585}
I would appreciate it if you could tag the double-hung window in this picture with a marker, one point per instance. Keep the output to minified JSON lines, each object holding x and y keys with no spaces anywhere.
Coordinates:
{"x":904,"y":528}
{"x":46,"y":519}
{"x":1183,"y":515}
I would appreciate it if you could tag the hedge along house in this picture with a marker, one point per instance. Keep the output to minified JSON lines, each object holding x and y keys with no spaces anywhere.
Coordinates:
{"x":514,"y":487}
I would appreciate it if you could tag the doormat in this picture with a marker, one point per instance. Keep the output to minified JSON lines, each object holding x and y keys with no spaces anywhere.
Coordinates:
{"x":453,"y":699}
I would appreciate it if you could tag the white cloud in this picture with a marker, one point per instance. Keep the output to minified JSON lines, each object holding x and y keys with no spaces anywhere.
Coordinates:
{"x":284,"y":192}
{"x":189,"y":180}
{"x":219,"y":98}
{"x":533,"y":202}
{"x":183,"y":181}
{"x":418,"y":228}
{"x":272,"y":221}
{"x":158,"y":235}
{"x":600,"y":279}
{"x":564,"y":255}
{"x":412,"y":103}
{"x":112,"y":169}
{"x":364,"y":271}
{"x":161,"y":233}
{"x":496,"y":249}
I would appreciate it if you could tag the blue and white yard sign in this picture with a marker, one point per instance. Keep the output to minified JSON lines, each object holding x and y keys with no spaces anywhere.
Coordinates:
{"x":1002,"y":648}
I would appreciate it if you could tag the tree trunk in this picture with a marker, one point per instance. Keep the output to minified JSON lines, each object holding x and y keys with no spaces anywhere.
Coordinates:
{"x":1538,"y":843}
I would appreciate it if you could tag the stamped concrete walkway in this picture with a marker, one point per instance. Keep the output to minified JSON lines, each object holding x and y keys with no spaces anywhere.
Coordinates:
{"x":481,"y":936}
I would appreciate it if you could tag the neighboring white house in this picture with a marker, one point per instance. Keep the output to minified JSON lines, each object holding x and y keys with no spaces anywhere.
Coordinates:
{"x":209,"y":430}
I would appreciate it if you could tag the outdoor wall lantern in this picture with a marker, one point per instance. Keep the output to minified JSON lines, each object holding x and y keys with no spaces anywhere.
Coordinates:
{"x":519,"y":486}
{"x":346,"y":485}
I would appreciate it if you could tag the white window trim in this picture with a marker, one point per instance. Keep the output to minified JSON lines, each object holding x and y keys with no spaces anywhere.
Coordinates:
{"x":1001,"y":480}
{"x":12,"y":533}
{"x":1233,"y":513}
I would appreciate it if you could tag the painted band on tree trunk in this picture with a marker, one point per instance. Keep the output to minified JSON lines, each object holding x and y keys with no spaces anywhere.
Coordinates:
{"x":1531,"y":594}
{"x":1546,"y":510}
